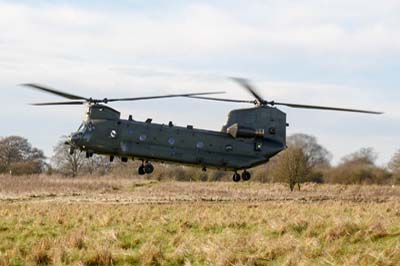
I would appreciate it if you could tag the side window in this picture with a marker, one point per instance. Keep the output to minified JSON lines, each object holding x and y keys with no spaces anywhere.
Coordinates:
{"x":200,"y":145}
{"x":258,"y":145}
{"x":171,"y":141}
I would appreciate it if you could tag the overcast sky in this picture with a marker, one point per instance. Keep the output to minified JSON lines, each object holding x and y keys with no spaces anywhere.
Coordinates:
{"x":342,"y":53}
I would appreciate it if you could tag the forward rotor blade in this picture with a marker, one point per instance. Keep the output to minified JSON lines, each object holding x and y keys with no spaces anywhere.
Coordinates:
{"x":325,"y":108}
{"x":246,"y":84}
{"x":163,"y":96}
{"x":59,"y":103}
{"x":54,"y":91}
{"x":222,"y":100}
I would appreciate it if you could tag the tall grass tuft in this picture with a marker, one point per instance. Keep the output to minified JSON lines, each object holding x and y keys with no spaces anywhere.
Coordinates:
{"x":100,"y":257}
{"x":41,"y":253}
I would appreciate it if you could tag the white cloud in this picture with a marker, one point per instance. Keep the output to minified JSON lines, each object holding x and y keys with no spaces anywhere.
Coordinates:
{"x":199,"y":30}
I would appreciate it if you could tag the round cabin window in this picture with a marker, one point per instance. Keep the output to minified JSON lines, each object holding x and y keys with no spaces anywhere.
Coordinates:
{"x":200,"y":145}
{"x":113,"y":134}
{"x":171,"y":141}
{"x":142,"y":137}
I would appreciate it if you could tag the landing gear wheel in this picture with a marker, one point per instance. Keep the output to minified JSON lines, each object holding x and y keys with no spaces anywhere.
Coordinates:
{"x":246,"y":176}
{"x":148,"y":168}
{"x":141,"y":170}
{"x":236,"y":177}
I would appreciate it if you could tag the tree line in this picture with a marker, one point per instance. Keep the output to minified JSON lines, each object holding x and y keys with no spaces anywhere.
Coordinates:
{"x":305,"y":160}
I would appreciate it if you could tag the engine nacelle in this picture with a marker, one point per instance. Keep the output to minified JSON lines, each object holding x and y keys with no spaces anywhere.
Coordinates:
{"x":237,"y":131}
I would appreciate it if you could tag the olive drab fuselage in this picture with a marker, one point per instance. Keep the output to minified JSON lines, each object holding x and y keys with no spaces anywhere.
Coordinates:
{"x":249,"y":138}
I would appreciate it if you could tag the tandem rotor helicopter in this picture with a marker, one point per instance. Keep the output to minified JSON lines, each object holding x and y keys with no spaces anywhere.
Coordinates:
{"x":249,"y":138}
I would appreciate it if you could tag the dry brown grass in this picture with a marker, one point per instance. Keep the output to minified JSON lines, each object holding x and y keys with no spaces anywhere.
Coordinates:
{"x":40,"y":253}
{"x":114,"y":189}
{"x":76,"y":239}
{"x":100,"y":257}
{"x":270,"y":233}
{"x":88,"y":221}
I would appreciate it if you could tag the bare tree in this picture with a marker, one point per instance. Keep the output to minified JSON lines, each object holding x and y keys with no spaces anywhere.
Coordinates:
{"x":97,"y":164}
{"x":65,"y":162}
{"x":314,"y":153}
{"x":77,"y":163}
{"x":363,"y":156}
{"x":394,"y":164}
{"x":359,"y":168}
{"x":19,"y":157}
{"x":290,"y":165}
{"x":299,"y":162}
{"x":13,"y":149}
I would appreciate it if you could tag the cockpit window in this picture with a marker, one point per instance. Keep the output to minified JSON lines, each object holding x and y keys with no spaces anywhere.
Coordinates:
{"x":86,"y":127}
{"x":82,"y":127}
{"x":90,"y":127}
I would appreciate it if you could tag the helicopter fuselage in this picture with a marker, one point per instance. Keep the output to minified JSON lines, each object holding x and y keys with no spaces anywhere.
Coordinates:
{"x":250,"y":138}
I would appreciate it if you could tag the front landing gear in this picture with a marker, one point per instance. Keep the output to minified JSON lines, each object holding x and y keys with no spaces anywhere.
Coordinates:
{"x":146,"y":168}
{"x":236,"y":177}
{"x":141,"y":170}
{"x":246,"y":176}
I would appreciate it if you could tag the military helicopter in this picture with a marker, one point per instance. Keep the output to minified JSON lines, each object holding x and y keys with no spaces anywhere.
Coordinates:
{"x":249,"y":138}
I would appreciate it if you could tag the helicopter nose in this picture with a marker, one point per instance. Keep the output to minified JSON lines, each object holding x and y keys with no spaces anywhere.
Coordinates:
{"x":75,"y":139}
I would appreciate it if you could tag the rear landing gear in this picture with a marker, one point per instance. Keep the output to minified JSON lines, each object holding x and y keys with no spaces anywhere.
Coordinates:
{"x":236,"y":177}
{"x":246,"y":176}
{"x":146,"y":168}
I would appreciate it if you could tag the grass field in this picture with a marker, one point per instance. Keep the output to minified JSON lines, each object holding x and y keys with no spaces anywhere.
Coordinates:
{"x":103,"y":221}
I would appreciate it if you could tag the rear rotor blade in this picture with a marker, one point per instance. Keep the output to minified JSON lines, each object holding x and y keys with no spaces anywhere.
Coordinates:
{"x":325,"y":108}
{"x":246,"y":84}
{"x":59,"y":103}
{"x":54,"y":91}
{"x":162,"y":96}
{"x":222,"y":100}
